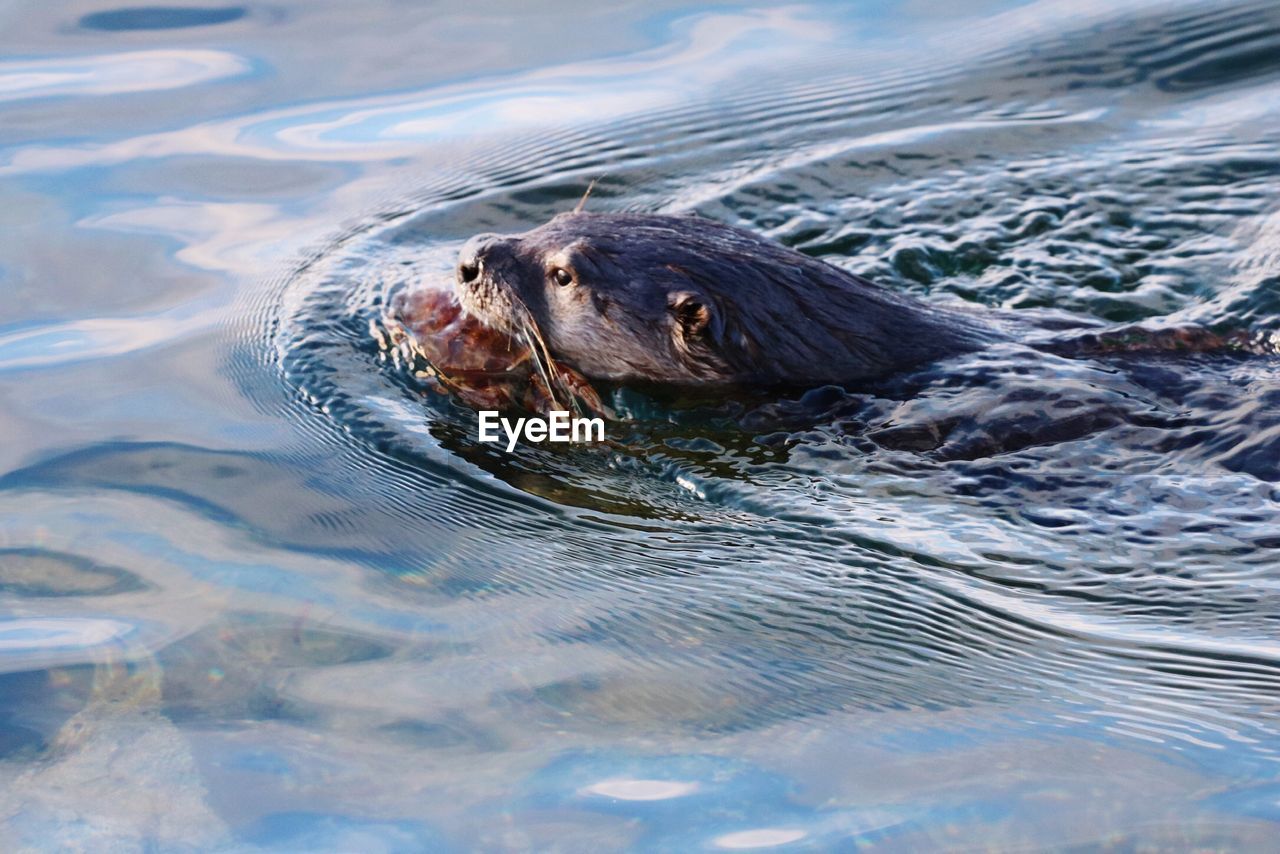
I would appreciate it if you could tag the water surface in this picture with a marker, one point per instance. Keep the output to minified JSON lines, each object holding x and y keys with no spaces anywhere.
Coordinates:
{"x":258,"y":593}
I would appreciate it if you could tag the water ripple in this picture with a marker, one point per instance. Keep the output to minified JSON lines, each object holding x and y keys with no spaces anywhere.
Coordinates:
{"x":1049,"y":577}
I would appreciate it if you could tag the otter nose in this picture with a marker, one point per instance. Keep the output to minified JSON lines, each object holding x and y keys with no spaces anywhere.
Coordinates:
{"x":472,"y":255}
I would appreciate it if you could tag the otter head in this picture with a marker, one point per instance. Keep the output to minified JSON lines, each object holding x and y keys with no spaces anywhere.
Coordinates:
{"x":685,"y":300}
{"x":619,"y":296}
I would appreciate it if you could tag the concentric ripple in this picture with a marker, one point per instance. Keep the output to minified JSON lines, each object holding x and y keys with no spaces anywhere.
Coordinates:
{"x":1094,"y":535}
{"x":1005,"y":552}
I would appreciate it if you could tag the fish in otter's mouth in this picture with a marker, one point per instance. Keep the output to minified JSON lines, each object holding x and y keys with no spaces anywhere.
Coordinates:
{"x":488,"y":368}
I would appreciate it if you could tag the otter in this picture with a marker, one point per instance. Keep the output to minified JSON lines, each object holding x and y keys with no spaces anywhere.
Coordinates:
{"x":683,"y":300}
{"x":693,"y":304}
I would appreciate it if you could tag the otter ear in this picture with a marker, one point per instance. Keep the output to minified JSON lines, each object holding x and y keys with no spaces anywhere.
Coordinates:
{"x":692,"y":314}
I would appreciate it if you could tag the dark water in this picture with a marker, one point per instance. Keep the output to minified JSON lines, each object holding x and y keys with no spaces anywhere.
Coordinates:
{"x":259,"y":594}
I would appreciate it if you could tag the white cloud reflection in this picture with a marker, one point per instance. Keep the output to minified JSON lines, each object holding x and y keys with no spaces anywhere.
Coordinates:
{"x":641,"y":790}
{"x":707,"y":49}
{"x":115,"y":73}
{"x":768,"y":837}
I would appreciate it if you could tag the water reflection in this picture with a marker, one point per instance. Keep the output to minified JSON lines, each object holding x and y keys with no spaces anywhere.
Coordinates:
{"x":34,"y":572}
{"x":116,"y":73}
{"x":705,"y":50}
{"x":36,"y":635}
{"x":100,"y":338}
{"x":252,"y":576}
{"x":161,"y":17}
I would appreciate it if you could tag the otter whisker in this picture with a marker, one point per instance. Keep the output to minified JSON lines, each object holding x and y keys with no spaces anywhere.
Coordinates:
{"x":540,"y":364}
{"x":549,"y":368}
{"x":582,"y":203}
{"x":538,"y":349}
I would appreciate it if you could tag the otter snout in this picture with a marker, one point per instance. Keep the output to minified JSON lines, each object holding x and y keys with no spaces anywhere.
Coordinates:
{"x":488,"y":279}
{"x":472,"y":256}
{"x":488,"y":256}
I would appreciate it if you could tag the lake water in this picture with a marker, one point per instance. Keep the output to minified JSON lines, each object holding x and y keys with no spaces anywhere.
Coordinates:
{"x":257,"y":593}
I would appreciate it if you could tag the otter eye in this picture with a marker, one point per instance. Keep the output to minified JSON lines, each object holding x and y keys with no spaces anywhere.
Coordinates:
{"x":562,"y":276}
